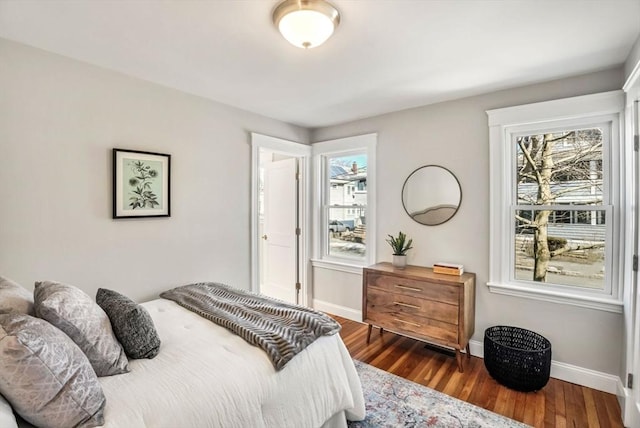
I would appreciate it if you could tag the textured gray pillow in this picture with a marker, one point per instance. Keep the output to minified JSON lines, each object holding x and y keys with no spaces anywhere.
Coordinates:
{"x":131,"y":323}
{"x":14,"y":299}
{"x":45,"y":376}
{"x":74,"y":312}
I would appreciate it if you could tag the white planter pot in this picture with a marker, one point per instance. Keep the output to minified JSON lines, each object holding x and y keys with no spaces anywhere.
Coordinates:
{"x":399,"y":261}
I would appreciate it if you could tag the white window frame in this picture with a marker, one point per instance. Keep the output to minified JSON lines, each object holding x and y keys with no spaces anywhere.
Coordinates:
{"x":321,"y":152}
{"x":504,"y":125}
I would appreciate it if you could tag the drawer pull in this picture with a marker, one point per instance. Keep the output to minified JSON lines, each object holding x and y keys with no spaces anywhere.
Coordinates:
{"x":406,"y":287}
{"x":407,"y":322}
{"x":406,"y":305}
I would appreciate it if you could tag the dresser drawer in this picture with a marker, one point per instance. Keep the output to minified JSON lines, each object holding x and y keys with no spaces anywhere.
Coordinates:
{"x":396,"y":304}
{"x":410,"y":287}
{"x":419,"y":327}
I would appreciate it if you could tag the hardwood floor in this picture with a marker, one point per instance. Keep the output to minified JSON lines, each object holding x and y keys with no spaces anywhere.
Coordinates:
{"x":559,"y":404}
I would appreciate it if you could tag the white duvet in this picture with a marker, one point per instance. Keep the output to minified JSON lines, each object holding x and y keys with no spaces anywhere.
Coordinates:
{"x":205,"y":376}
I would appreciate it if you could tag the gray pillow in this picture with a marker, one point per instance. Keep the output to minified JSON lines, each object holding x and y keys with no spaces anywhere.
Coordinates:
{"x":45,"y":376}
{"x":74,"y":312}
{"x":14,"y":299}
{"x":131,"y":323}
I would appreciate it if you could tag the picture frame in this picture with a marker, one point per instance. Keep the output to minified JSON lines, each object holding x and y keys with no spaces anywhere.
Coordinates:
{"x":141,"y":184}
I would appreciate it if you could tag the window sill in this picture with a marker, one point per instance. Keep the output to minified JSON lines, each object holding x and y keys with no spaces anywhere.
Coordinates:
{"x":354,"y":267}
{"x":599,"y":303}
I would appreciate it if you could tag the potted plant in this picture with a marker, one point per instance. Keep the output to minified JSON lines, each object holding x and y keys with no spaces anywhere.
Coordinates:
{"x":400,"y":246}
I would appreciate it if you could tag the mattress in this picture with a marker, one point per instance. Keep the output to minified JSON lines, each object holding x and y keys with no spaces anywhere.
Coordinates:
{"x":205,"y":376}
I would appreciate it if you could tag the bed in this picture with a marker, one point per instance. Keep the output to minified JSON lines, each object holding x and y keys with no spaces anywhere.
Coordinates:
{"x":206,"y":376}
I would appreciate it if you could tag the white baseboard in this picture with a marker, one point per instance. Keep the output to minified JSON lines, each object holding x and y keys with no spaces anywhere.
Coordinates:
{"x":622,"y":391}
{"x":334,"y":309}
{"x":630,"y":409}
{"x":585,"y":377}
{"x":570,"y":373}
{"x":476,"y":348}
{"x":624,"y":399}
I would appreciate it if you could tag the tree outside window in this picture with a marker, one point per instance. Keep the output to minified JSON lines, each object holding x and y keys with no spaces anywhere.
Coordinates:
{"x":559,"y":202}
{"x":559,"y":213}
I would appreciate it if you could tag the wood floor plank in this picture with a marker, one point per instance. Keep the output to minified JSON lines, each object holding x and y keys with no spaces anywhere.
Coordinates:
{"x":439,"y":374}
{"x":476,"y":397}
{"x":505,"y":401}
{"x":558,"y":392}
{"x":540,"y":409}
{"x":412,"y":360}
{"x":390,"y":354}
{"x":603,"y":413}
{"x":451,"y":369}
{"x":400,"y":362}
{"x":550,"y":405}
{"x":580,"y":406}
{"x":470,"y":380}
{"x":519,"y":406}
{"x":561,"y":422}
{"x":530,"y":409}
{"x":491,"y":394}
{"x":590,"y":405}
{"x":456,"y":381}
{"x":558,"y":405}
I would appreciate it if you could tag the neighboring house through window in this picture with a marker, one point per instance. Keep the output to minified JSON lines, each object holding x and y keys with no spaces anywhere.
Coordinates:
{"x":344,"y":213}
{"x":557,"y":200}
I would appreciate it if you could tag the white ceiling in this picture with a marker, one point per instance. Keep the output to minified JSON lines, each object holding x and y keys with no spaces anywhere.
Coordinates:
{"x":386,"y":55}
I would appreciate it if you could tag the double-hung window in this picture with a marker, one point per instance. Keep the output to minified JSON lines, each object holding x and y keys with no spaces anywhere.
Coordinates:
{"x":556,"y":200}
{"x":345,"y":206}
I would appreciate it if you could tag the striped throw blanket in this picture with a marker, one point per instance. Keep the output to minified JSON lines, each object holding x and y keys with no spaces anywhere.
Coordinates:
{"x":281,"y":329}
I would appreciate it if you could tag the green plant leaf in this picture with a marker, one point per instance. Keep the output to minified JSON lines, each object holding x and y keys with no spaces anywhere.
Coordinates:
{"x":399,"y":244}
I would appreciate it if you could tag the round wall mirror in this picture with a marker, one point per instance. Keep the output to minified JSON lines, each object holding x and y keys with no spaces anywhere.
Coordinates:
{"x":431,"y":195}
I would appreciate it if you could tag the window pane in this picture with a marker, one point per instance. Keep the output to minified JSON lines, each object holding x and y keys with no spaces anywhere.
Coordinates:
{"x":573,"y":252}
{"x":346,"y":215}
{"x":347,"y":232}
{"x":560,"y":168}
{"x":348,"y":180}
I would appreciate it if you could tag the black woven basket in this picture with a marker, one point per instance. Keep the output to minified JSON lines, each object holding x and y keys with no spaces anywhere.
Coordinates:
{"x":517,"y":358}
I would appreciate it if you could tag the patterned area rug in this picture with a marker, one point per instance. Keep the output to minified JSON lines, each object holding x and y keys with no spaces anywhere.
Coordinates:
{"x":392,"y":401}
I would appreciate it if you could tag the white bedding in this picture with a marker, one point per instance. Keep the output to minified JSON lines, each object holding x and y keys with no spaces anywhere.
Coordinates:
{"x":205,"y":376}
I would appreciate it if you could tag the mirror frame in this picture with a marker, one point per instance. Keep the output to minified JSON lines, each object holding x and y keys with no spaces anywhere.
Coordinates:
{"x":409,"y":177}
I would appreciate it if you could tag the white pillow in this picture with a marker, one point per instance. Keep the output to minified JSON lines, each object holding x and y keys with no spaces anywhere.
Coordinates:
{"x":7,"y":418}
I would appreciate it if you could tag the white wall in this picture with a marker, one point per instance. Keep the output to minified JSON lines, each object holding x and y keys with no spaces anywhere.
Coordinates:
{"x":633,"y":60}
{"x":455,"y":135}
{"x":59,"y":120}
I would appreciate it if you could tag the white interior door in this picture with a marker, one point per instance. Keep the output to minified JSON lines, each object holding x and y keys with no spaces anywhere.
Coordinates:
{"x":280,"y":259}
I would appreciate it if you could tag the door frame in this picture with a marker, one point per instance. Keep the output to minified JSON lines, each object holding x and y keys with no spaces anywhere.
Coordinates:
{"x":630,"y":397}
{"x":303,"y":153}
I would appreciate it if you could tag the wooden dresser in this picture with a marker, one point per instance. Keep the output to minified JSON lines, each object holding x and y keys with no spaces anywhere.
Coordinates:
{"x":418,"y":303}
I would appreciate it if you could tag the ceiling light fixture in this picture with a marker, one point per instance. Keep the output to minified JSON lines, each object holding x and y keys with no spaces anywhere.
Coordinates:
{"x":306,"y":23}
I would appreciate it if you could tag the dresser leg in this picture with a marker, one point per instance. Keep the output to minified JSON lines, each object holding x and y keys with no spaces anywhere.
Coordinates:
{"x":381,"y":331}
{"x":468,"y":351}
{"x":459,"y":360}
{"x":369,"y":333}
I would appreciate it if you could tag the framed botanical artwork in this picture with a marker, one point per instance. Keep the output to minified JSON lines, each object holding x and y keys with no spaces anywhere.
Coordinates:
{"x":141,"y":184}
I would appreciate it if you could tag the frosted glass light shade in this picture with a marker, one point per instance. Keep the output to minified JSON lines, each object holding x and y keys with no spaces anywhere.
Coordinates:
{"x":306,"y":23}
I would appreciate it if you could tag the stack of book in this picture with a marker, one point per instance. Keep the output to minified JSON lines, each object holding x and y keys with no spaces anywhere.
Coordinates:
{"x":448,"y":268}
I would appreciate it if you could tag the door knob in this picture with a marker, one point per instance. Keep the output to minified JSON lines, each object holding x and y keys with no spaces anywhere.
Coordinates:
{"x":264,"y":237}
